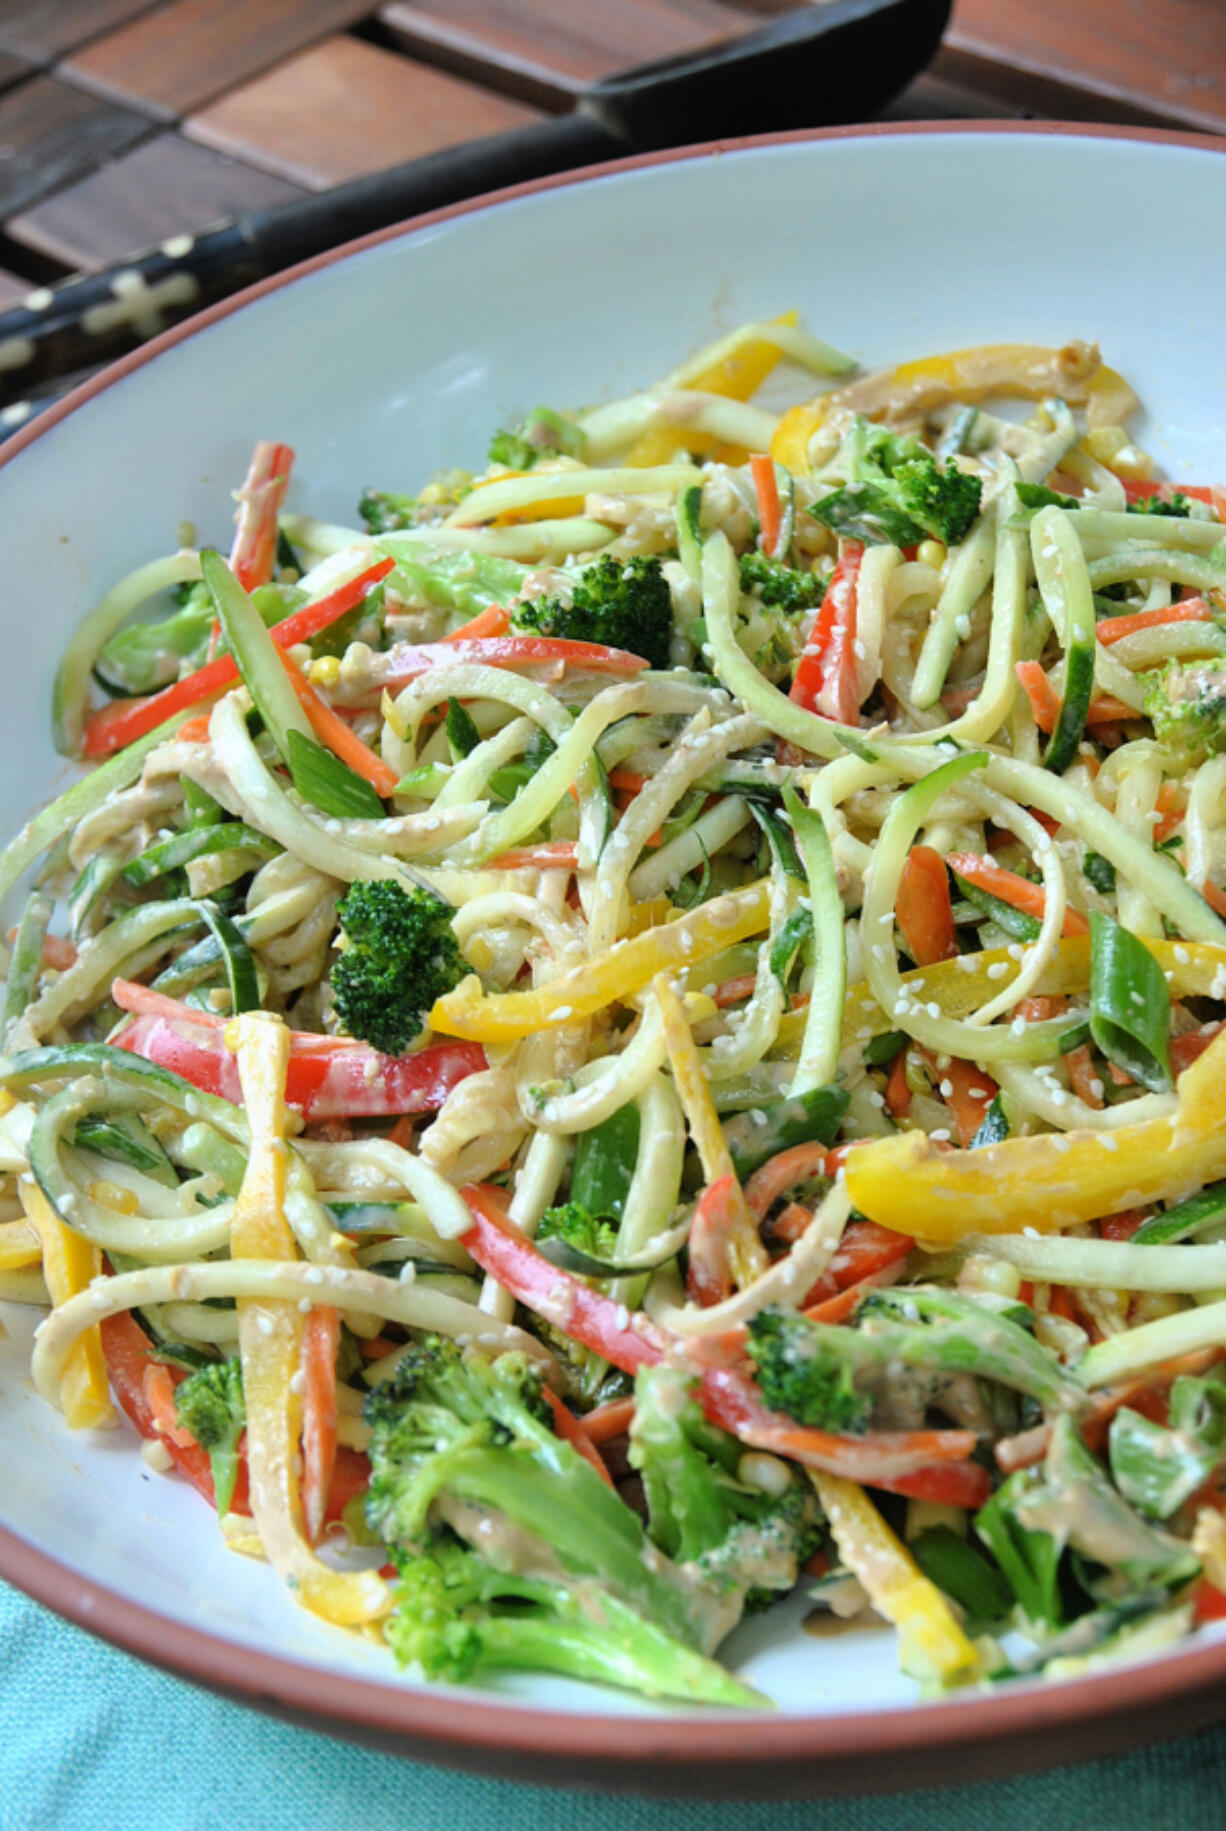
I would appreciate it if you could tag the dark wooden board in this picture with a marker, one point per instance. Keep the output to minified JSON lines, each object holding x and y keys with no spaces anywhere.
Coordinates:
{"x":345,"y":107}
{"x":54,"y":133}
{"x":43,"y":30}
{"x":180,"y":56}
{"x":551,"y":49}
{"x":167,"y":187}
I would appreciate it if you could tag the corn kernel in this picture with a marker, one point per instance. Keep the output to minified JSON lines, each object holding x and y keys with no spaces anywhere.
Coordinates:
{"x":114,"y":1195}
{"x":932,"y":553}
{"x":326,"y":671}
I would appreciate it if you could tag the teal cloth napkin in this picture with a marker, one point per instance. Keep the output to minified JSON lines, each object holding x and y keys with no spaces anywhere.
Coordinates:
{"x":89,"y":1737}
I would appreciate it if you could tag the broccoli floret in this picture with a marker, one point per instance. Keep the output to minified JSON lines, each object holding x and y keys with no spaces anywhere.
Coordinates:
{"x":588,"y":1378}
{"x":741,"y":1541}
{"x":813,"y":1371}
{"x":780,"y":587}
{"x":384,"y":511}
{"x":542,"y":435}
{"x":587,"y":1233}
{"x":209,"y":1403}
{"x":1177,"y":505}
{"x":1187,"y":705}
{"x":623,"y":603}
{"x":797,"y":1377}
{"x":554,"y":1571}
{"x":897,"y":491}
{"x":398,"y":954}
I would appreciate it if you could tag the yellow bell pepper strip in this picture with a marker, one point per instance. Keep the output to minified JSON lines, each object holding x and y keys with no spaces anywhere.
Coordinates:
{"x":270,"y":1341}
{"x":746,"y":1256}
{"x":610,"y":977}
{"x":1051,"y":1180}
{"x":19,"y":1245}
{"x":70,"y":1264}
{"x":1075,"y":373}
{"x":737,"y":376}
{"x":931,"y":1643}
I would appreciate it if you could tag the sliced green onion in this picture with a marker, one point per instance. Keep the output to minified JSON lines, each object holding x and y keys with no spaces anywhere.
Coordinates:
{"x":327,"y":783}
{"x":823,"y":1038}
{"x":796,"y":933}
{"x":779,"y":837}
{"x":602,"y":1167}
{"x":124,"y":1139}
{"x":1130,"y":1005}
{"x":994,"y":1126}
{"x":1100,"y":872}
{"x":880,"y":1050}
{"x":462,"y":734}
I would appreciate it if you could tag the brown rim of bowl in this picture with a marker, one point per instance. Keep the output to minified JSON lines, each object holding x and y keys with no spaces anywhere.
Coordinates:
{"x":447,"y":1724}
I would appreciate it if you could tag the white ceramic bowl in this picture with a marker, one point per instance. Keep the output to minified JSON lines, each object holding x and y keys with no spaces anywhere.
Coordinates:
{"x":379,"y":365}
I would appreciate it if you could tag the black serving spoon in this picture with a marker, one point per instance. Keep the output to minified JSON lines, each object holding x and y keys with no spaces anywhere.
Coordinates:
{"x":821,"y":65}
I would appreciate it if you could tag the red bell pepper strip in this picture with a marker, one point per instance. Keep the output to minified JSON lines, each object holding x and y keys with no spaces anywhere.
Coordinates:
{"x":329,"y":1077}
{"x":883,"y":1459}
{"x":410,"y":662}
{"x":321,"y":1337}
{"x":125,"y":720}
{"x":719,"y":1216}
{"x":825,"y":680}
{"x":259,"y":504}
{"x":864,"y":1250}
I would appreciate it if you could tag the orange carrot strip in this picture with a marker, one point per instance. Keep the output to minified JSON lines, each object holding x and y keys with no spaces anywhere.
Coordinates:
{"x":770,"y":518}
{"x":1009,"y":887}
{"x":551,"y":856}
{"x":492,"y":621}
{"x":1172,"y":806}
{"x":321,"y":1335}
{"x":573,"y":1432}
{"x":159,"y":1390}
{"x":845,"y":1303}
{"x":377,"y":1347}
{"x":1190,"y":610}
{"x":1082,"y":1078}
{"x":970,"y":1093}
{"x":792,"y":1222}
{"x":734,"y":991}
{"x":923,"y":908}
{"x":196,"y":730}
{"x":1215,"y":898}
{"x":1187,"y":1049}
{"x":897,"y":1093}
{"x":1044,"y":700}
{"x":613,"y":1419}
{"x":1123,"y":1225}
{"x":338,"y":737}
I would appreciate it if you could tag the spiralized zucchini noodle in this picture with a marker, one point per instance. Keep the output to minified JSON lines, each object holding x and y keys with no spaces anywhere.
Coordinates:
{"x":644,"y":1027}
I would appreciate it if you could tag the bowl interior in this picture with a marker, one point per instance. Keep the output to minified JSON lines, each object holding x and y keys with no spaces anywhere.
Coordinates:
{"x":402,"y":358}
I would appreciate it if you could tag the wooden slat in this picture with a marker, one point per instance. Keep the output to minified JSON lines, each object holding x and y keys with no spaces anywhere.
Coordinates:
{"x":344,"y":108}
{"x":166,"y":187}
{"x":43,"y":30}
{"x":1152,"y":60}
{"x":551,"y":49}
{"x":12,"y":69}
{"x":175,"y":59}
{"x":52,"y":134}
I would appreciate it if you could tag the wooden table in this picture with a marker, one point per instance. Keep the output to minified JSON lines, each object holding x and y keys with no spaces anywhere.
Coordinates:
{"x":125,"y":122}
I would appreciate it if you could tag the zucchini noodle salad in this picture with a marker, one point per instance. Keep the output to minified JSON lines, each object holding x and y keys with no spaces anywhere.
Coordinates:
{"x":641,"y":1031}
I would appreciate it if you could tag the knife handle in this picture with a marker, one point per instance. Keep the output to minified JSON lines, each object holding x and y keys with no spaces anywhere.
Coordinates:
{"x":95,"y":317}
